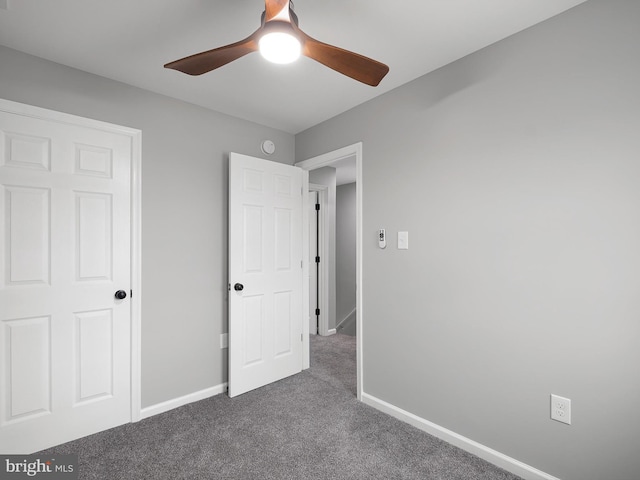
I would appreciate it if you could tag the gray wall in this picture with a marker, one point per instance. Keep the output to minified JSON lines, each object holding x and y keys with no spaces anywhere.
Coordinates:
{"x":184,"y":211}
{"x":516,"y":171}
{"x":327,"y":176}
{"x":346,"y":256}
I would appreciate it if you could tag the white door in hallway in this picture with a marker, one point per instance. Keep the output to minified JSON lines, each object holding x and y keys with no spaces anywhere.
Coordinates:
{"x":313,"y":265}
{"x":65,"y":340}
{"x":265,"y":272}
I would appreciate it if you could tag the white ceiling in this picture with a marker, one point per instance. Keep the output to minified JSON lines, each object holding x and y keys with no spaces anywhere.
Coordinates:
{"x":131,"y":40}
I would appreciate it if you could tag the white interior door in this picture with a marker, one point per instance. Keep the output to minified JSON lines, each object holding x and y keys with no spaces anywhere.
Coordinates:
{"x":65,"y":340}
{"x":265,"y":272}
{"x":313,"y":266}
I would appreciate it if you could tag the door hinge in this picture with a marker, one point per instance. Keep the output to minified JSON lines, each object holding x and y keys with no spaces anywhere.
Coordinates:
{"x":317,"y":312}
{"x":317,"y":206}
{"x":317,"y":259}
{"x":301,"y":338}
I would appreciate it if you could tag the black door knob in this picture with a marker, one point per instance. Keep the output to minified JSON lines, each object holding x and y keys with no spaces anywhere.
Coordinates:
{"x":238,"y":287}
{"x":121,"y":295}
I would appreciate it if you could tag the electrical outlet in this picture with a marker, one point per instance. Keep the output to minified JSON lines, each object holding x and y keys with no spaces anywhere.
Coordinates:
{"x":224,"y":340}
{"x":561,"y":409}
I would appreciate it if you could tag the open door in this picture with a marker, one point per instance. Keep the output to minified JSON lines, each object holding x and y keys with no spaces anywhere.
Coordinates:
{"x":265,"y":272}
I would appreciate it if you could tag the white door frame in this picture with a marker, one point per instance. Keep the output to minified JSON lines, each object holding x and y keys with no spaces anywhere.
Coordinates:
{"x":323,"y":252}
{"x":323,"y":161}
{"x":136,"y":224}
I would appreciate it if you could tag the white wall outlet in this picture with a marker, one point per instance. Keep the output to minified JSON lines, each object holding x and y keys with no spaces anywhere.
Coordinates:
{"x":561,"y":409}
{"x":224,"y":340}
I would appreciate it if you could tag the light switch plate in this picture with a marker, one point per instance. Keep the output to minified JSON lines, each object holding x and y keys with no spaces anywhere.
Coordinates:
{"x":403,"y":240}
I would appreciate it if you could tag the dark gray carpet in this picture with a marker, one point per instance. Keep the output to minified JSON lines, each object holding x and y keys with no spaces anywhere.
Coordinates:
{"x":309,"y":426}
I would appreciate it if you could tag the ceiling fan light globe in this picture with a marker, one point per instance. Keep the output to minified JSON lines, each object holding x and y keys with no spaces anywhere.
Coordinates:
{"x":280,"y":47}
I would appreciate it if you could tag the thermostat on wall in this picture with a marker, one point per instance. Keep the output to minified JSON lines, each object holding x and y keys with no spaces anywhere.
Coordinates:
{"x":382,"y":238}
{"x":268,"y":147}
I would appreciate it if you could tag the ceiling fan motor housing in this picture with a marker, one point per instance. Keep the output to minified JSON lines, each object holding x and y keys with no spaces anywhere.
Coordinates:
{"x":283,"y":22}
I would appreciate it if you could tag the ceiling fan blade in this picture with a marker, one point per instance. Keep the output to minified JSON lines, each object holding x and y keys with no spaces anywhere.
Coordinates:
{"x":211,"y":59}
{"x":348,"y":63}
{"x":276,"y":9}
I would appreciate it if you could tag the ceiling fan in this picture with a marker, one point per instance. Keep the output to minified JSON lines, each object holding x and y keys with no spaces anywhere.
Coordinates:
{"x":281,"y":41}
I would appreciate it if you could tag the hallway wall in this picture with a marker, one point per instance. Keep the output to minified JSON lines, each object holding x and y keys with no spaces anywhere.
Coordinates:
{"x":346,"y":258}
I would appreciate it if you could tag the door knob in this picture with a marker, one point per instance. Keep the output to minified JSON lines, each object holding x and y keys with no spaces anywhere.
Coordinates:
{"x":121,"y":295}
{"x":238,"y":287}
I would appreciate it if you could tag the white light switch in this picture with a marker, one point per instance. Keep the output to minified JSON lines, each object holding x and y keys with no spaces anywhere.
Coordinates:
{"x":403,"y":240}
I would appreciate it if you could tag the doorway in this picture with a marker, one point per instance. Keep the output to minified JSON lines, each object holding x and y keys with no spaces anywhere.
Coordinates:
{"x":329,"y":159}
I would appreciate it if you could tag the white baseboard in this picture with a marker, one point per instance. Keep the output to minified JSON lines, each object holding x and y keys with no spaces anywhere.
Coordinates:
{"x":492,"y":456}
{"x":344,"y":320}
{"x":180,"y":401}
